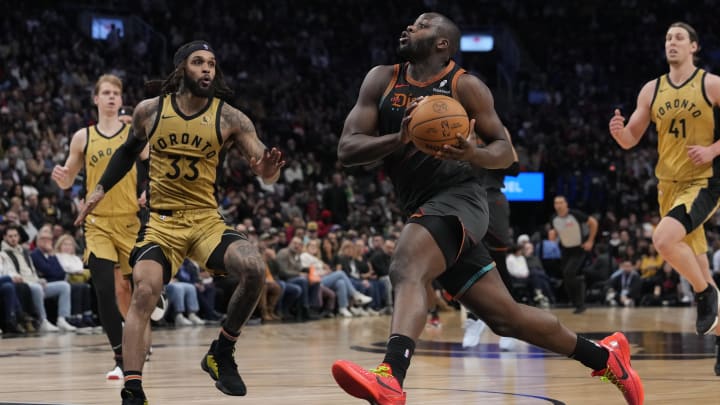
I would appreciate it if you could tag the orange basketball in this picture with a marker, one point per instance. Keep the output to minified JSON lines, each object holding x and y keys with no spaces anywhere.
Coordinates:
{"x":436,"y":121}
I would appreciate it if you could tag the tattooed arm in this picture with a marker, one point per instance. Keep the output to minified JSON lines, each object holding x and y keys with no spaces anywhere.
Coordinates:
{"x":238,"y":128}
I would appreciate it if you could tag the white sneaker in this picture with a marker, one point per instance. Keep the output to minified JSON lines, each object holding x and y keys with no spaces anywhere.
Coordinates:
{"x":64,"y":326}
{"x":357,"y":311}
{"x":196,"y":320}
{"x":507,"y":344}
{"x":180,"y":320}
{"x":345,"y":313}
{"x":473,"y":330}
{"x":372,"y":312}
{"x":361,"y":299}
{"x":115,"y":374}
{"x":159,"y":312}
{"x":46,"y":326}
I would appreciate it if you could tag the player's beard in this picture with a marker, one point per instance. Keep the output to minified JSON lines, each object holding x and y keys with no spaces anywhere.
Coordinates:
{"x":416,"y":51}
{"x":195,"y":88}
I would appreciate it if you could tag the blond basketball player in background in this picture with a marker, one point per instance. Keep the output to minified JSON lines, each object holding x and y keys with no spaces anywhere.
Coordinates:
{"x":680,"y":104}
{"x":111,"y":231}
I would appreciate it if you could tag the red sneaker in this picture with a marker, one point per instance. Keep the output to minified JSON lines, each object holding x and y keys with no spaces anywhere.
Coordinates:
{"x":435,"y":321}
{"x":619,"y":371}
{"x":377,"y":386}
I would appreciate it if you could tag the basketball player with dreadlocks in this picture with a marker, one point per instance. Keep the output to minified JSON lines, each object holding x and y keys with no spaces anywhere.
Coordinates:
{"x":112,"y":229}
{"x":187,"y":127}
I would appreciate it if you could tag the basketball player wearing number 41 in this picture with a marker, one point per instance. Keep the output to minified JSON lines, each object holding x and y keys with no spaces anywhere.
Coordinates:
{"x":448,"y":217}
{"x":187,"y":127}
{"x":681,"y":105}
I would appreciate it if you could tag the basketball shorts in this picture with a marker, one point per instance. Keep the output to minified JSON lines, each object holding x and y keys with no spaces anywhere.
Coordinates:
{"x":497,"y":237}
{"x":111,"y":238}
{"x":692,"y":203}
{"x":457,"y":219}
{"x":170,"y":236}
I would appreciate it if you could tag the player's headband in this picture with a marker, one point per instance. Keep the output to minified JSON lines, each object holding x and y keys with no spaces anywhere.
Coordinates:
{"x":185,"y":50}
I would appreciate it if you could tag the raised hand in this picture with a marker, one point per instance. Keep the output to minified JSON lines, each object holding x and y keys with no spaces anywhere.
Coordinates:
{"x":405,"y":135}
{"x":142,"y":200}
{"x":700,"y":155}
{"x":269,"y":164}
{"x":465,"y":148}
{"x":59,"y":174}
{"x":617,"y":124}
{"x":90,"y":203}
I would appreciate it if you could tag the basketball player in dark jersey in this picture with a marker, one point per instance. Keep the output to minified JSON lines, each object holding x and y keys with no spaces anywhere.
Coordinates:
{"x":111,"y":231}
{"x":187,"y":128}
{"x":448,"y":216}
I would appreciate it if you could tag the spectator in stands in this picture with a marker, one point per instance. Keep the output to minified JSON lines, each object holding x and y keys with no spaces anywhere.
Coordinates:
{"x":548,"y":250}
{"x":290,"y":293}
{"x":55,"y":265}
{"x":379,"y":259}
{"x":625,"y":288}
{"x":540,"y":283}
{"x":291,"y":271}
{"x":337,"y":280}
{"x":665,"y":289}
{"x":12,"y":310}
{"x":182,"y":294}
{"x":363,"y":279}
{"x":335,"y":198}
{"x":16,"y":262}
{"x":650,"y":264}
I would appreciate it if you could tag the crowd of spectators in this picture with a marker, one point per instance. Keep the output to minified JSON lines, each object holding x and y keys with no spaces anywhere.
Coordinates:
{"x":295,"y":72}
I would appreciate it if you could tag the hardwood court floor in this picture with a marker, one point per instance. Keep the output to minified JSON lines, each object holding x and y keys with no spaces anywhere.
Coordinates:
{"x":290,"y":364}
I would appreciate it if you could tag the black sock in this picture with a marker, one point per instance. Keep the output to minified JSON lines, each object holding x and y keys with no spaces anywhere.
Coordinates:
{"x":434,"y":312}
{"x":226,"y":340}
{"x":717,"y":352}
{"x":117,"y":350}
{"x":472,"y":316}
{"x":399,"y":351}
{"x":133,"y":381}
{"x":590,"y":354}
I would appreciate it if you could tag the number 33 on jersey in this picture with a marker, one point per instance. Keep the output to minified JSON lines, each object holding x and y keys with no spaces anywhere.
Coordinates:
{"x":186,"y":150}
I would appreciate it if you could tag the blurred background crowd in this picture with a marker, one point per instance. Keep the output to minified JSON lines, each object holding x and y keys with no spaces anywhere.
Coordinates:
{"x":557,"y":72}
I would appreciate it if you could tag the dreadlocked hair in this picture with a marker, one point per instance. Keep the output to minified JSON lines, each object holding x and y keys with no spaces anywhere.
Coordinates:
{"x":171,"y":84}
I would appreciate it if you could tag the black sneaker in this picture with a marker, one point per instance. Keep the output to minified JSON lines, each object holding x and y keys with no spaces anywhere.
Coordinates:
{"x":132,"y":397}
{"x":222,"y":368}
{"x":707,"y":310}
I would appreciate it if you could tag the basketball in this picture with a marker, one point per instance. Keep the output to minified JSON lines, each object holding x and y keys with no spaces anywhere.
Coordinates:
{"x":435,"y":122}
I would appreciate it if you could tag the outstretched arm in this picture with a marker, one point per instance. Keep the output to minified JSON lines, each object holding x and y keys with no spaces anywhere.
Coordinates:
{"x":629,"y":135}
{"x":65,"y":175}
{"x":263,"y":162}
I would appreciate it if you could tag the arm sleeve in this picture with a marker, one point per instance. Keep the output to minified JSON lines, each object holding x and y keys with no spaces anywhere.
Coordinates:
{"x":122,"y":161}
{"x":143,"y":175}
